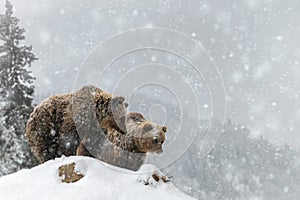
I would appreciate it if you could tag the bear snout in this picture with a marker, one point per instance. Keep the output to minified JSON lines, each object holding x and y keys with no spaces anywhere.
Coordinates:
{"x":159,"y":151}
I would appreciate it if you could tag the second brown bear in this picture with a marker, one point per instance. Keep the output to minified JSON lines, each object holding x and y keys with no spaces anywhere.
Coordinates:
{"x":127,"y":150}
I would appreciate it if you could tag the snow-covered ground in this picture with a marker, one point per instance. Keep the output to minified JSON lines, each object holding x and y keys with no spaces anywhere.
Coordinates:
{"x":100,"y":181}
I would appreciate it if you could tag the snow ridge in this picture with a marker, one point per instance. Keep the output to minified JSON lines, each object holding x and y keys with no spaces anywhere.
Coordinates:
{"x":100,"y":181}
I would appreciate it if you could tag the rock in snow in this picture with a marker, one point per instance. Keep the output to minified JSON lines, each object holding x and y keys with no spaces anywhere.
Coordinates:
{"x":99,"y":181}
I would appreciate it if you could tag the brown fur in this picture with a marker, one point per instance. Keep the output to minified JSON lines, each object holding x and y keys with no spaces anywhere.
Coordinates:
{"x":69,"y":174}
{"x":106,"y":132}
{"x":129,"y":150}
{"x":53,"y":126}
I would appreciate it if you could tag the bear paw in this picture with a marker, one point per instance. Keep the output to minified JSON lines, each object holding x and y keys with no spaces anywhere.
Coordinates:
{"x":150,"y":175}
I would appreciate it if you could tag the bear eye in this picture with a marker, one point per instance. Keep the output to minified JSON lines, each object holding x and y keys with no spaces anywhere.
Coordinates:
{"x":147,"y":128}
{"x":156,"y":140}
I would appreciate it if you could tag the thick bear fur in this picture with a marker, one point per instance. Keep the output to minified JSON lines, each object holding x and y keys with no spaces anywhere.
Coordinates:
{"x":53,"y":127}
{"x":91,"y":122}
{"x":128,"y":150}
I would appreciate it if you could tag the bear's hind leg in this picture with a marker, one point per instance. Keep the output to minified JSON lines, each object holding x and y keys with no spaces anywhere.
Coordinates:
{"x":82,"y":150}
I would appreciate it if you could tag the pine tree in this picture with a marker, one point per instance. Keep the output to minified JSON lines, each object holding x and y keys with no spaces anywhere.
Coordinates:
{"x":16,"y":93}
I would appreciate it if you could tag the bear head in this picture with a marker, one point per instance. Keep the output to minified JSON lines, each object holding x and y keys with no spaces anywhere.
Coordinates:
{"x":91,"y":103}
{"x":145,"y":135}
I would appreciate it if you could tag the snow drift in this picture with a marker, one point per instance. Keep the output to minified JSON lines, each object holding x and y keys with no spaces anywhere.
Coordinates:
{"x":100,"y":181}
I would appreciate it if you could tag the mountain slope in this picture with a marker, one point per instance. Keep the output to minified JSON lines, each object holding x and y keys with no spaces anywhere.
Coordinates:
{"x":100,"y":181}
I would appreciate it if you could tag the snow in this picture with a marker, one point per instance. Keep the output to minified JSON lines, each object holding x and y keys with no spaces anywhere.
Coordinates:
{"x":100,"y":181}
{"x":135,"y":13}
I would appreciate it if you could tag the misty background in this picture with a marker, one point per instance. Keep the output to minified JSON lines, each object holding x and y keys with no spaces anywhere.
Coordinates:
{"x":255,"y":45}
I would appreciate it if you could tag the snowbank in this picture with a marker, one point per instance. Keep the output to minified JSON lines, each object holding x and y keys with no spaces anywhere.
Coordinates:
{"x":100,"y":181}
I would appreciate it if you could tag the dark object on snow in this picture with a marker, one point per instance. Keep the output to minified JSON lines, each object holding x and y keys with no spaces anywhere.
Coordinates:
{"x":156,"y":176}
{"x":69,"y":174}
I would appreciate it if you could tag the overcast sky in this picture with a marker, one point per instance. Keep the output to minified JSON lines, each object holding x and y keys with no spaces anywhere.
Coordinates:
{"x":254,"y":43}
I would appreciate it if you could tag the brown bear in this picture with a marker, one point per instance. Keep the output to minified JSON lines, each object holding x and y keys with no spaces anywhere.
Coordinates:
{"x":57,"y":124}
{"x":127,"y":150}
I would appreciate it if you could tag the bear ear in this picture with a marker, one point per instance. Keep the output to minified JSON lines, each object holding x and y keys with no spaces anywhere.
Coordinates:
{"x":126,"y":104}
{"x":118,"y":99}
{"x":147,"y":127}
{"x":164,"y":128}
